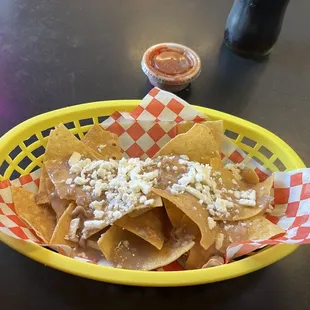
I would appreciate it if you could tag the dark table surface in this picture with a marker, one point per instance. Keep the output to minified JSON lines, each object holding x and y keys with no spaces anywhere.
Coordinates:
{"x":59,"y":53}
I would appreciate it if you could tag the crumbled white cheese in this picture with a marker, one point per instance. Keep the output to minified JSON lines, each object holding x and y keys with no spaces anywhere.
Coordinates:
{"x":77,"y":167}
{"x":196,"y":181}
{"x":86,"y":188}
{"x":80,"y":181}
{"x":98,"y":214}
{"x":75,"y":157}
{"x":69,"y":181}
{"x":101,"y":147}
{"x":118,"y":185}
{"x":94,"y":176}
{"x":228,"y":226}
{"x":72,"y":233}
{"x":97,"y":205}
{"x":184,"y":157}
{"x":220,"y":207}
{"x":247,"y":202}
{"x":237,"y":194}
{"x":148,"y":202}
{"x":92,"y":225}
{"x":211,"y":223}
{"x":235,"y":169}
{"x":248,"y":198}
{"x":142,"y":199}
{"x":248,"y":194}
{"x":116,"y":215}
{"x":219,"y":241}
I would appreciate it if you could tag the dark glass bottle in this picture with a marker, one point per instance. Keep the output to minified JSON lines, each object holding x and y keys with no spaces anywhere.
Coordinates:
{"x":253,"y":26}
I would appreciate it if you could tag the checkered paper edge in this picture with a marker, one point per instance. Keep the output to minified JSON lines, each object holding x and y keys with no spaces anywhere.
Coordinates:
{"x":10,"y":223}
{"x":291,"y":212}
{"x":152,"y":124}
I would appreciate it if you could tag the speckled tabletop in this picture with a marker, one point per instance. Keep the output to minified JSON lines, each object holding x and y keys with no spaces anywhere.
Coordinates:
{"x":58,"y":53}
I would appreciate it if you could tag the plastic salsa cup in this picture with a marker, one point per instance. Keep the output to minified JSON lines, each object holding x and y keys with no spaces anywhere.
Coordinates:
{"x":171,"y":66}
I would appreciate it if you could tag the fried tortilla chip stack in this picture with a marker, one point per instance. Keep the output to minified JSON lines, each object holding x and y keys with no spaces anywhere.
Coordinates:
{"x":145,"y":214}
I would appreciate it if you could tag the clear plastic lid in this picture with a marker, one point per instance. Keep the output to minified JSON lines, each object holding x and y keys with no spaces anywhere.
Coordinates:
{"x":171,"y":64}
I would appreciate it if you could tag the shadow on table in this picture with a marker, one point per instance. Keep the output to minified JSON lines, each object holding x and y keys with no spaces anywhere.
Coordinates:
{"x":234,"y":80}
{"x":184,"y":94}
{"x":77,"y":293}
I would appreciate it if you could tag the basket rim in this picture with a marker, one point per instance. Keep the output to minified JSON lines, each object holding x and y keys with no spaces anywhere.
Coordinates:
{"x":134,"y":277}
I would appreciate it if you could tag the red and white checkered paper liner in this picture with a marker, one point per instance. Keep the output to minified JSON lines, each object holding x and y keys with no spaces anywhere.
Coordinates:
{"x":142,"y":133}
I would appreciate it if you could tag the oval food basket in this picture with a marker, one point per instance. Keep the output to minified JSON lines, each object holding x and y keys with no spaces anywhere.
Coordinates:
{"x":21,"y":152}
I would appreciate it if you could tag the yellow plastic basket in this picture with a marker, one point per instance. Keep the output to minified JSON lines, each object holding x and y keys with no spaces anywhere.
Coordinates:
{"x":21,"y":151}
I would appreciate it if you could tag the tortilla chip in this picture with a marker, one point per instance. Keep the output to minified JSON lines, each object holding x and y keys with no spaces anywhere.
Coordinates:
{"x":249,"y":176}
{"x":126,"y":250}
{"x":217,"y":129}
{"x":259,"y":228}
{"x":198,"y":256}
{"x":106,"y":219}
{"x":59,"y":172}
{"x":198,"y":144}
{"x":215,"y":126}
{"x":103,"y":142}
{"x":214,"y":261}
{"x":185,"y":127}
{"x":180,"y":220}
{"x":62,"y":143}
{"x":148,"y":226}
{"x":157,"y":203}
{"x":48,"y":195}
{"x":174,"y":213}
{"x":194,"y":210}
{"x":189,"y":227}
{"x":59,"y":206}
{"x":256,"y":228}
{"x":42,"y":197}
{"x":62,"y":228}
{"x":40,"y":218}
{"x":140,"y":211}
{"x":241,"y":212}
{"x":263,"y":199}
